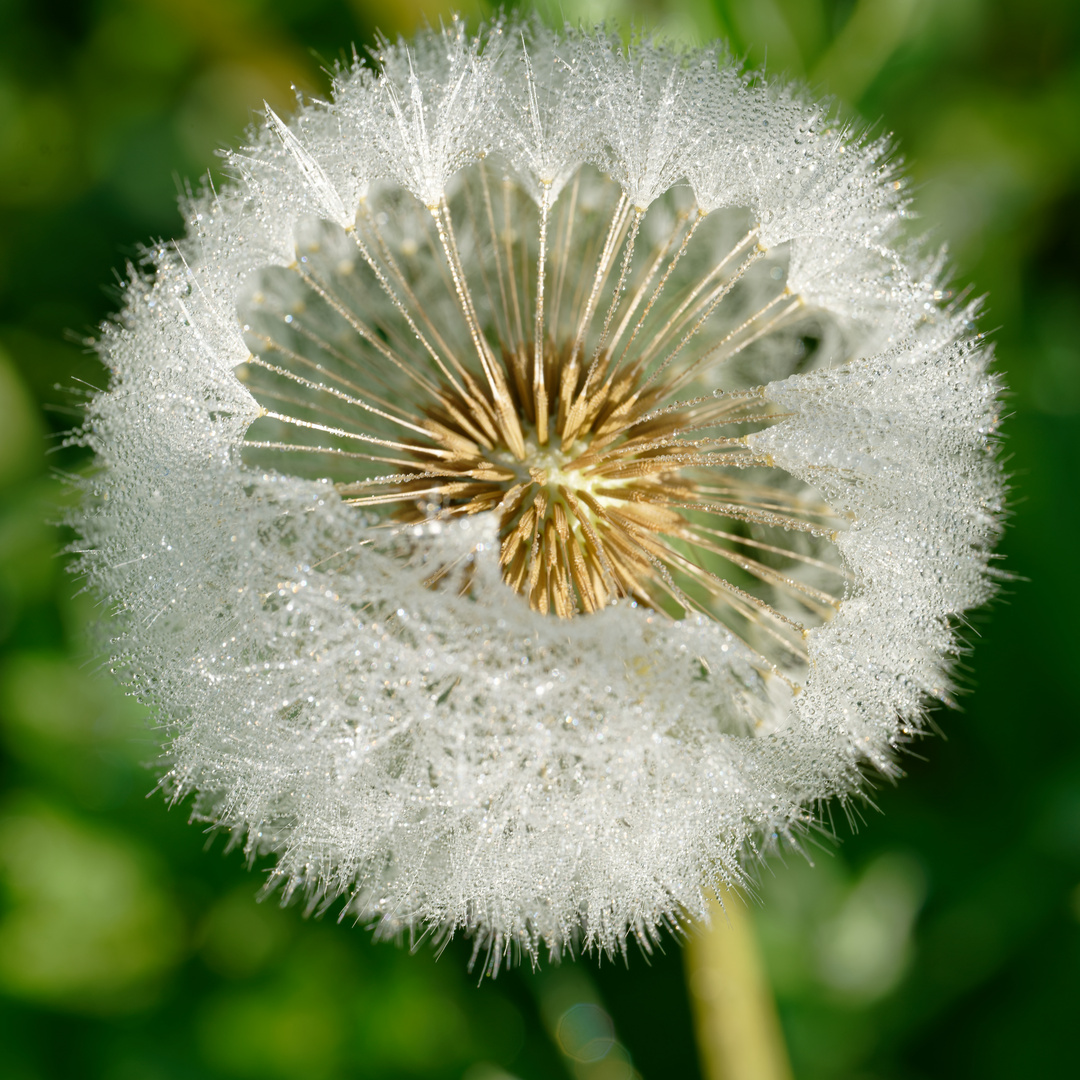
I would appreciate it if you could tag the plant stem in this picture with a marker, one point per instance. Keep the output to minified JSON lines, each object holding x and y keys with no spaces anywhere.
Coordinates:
{"x":738,"y":1031}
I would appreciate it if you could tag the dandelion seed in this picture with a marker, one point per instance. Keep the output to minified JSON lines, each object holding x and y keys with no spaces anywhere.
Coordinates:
{"x":536,"y":482}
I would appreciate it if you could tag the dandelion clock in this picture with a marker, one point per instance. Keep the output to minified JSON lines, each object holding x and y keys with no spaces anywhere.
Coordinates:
{"x":541,"y":477}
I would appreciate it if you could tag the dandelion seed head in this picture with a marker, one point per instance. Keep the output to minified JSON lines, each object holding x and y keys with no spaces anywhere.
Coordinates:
{"x":536,"y":482}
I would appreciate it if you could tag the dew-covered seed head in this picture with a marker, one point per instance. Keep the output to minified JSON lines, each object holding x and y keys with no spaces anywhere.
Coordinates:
{"x":541,"y":478}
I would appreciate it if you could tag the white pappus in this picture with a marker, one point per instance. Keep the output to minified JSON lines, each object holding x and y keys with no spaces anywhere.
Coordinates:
{"x":539,"y":479}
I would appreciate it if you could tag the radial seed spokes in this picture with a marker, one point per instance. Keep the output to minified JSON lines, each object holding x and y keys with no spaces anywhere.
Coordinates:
{"x":556,"y":369}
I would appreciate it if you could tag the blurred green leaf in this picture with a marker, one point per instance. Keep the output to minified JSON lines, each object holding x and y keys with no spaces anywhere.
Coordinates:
{"x":21,"y":434}
{"x":87,"y":926}
{"x":238,"y":937}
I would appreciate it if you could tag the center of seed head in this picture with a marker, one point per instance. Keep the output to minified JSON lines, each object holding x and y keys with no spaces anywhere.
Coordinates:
{"x":552,"y":474}
{"x":548,"y":466}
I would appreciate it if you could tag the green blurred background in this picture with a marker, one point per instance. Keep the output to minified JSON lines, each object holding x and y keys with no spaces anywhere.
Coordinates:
{"x":939,"y":939}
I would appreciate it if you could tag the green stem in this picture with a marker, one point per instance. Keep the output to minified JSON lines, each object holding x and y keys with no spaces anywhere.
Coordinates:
{"x":738,"y":1031}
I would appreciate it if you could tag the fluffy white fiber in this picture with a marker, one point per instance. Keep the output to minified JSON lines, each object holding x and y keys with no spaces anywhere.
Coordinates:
{"x":462,"y":761}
